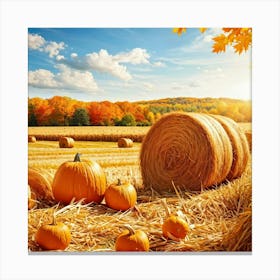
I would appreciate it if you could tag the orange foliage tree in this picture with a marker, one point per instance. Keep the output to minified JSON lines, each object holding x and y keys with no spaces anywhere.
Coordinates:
{"x":238,"y":38}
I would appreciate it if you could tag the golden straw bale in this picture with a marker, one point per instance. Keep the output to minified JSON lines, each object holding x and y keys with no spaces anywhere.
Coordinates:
{"x":125,"y":143}
{"x":40,"y":182}
{"x":31,"y":139}
{"x":66,"y":142}
{"x":239,"y":144}
{"x":192,"y":150}
{"x":239,"y":235}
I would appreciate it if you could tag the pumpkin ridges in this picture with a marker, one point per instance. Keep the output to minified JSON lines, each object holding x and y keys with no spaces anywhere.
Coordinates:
{"x":120,"y":196}
{"x":53,"y":236}
{"x":132,"y":240}
{"x":79,"y":180}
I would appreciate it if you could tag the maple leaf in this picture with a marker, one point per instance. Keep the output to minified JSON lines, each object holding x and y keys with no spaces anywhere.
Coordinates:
{"x":220,"y":44}
{"x":243,"y":42}
{"x":179,"y":31}
{"x":202,"y":29}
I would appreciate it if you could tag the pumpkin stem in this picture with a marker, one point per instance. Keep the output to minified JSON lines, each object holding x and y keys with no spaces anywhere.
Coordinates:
{"x":119,"y":182}
{"x":130,"y":229}
{"x":54,"y":219}
{"x":77,"y":157}
{"x":167,"y":210}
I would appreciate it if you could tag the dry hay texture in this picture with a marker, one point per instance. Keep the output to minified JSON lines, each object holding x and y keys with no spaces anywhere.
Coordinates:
{"x":66,"y":142}
{"x":193,"y":151}
{"x":125,"y":143}
{"x":220,"y":219}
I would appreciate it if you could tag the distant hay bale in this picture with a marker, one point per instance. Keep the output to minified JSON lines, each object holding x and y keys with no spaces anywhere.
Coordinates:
{"x":31,"y":139}
{"x":125,"y":143}
{"x":189,"y":149}
{"x":66,"y":142}
{"x":239,"y":144}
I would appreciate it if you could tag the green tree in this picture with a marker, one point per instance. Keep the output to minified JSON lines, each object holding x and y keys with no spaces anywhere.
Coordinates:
{"x":127,"y":120}
{"x":80,"y":117}
{"x":32,"y":120}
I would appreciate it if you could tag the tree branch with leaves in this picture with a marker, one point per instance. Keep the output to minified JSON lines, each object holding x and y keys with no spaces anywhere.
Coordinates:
{"x":238,"y":38}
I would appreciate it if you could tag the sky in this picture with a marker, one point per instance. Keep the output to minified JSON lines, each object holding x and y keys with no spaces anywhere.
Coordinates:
{"x":133,"y":64}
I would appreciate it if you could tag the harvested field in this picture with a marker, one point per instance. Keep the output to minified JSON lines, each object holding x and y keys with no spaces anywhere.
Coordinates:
{"x":220,"y":217}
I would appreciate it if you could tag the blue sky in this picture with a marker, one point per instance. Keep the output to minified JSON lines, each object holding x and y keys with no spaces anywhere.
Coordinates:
{"x":117,"y":64}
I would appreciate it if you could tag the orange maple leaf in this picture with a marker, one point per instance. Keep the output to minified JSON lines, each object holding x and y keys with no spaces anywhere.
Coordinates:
{"x":202,"y":29}
{"x":179,"y":31}
{"x":220,"y":44}
{"x":243,"y":42}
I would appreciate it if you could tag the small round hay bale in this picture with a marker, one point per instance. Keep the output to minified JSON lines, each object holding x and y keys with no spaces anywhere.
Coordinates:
{"x":125,"y":143}
{"x":31,"y":139}
{"x":192,"y":150}
{"x":40,"y":182}
{"x":239,"y":144}
{"x":66,"y":142}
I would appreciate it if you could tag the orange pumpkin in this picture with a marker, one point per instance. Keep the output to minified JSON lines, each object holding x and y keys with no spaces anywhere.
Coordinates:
{"x":132,"y":240}
{"x":174,"y":227}
{"x":31,"y":199}
{"x":40,"y":182}
{"x":121,"y":196}
{"x":79,"y":180}
{"x":55,"y":236}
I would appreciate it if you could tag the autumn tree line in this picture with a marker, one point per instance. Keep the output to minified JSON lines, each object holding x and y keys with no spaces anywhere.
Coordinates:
{"x":65,"y":111}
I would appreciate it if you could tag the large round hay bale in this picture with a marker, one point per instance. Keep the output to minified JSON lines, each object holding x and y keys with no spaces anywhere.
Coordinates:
{"x":125,"y":143}
{"x":31,"y":139}
{"x":192,"y":150}
{"x":239,"y":144}
{"x":66,"y":142}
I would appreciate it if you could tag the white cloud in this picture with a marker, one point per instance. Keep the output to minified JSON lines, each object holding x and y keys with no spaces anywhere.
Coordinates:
{"x":53,"y":48}
{"x":135,"y":56}
{"x":104,"y":62}
{"x":74,"y":79}
{"x":67,"y":78}
{"x":73,"y":55}
{"x":60,"y":57}
{"x":35,"y":41}
{"x":159,"y":64}
{"x":42,"y":78}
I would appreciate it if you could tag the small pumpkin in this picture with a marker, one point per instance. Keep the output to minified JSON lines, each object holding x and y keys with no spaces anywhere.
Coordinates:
{"x":31,"y":199}
{"x":40,"y":182}
{"x":54,"y":236}
{"x":79,"y":180}
{"x":132,"y":240}
{"x":66,"y":142}
{"x":174,"y":227}
{"x":121,"y":196}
